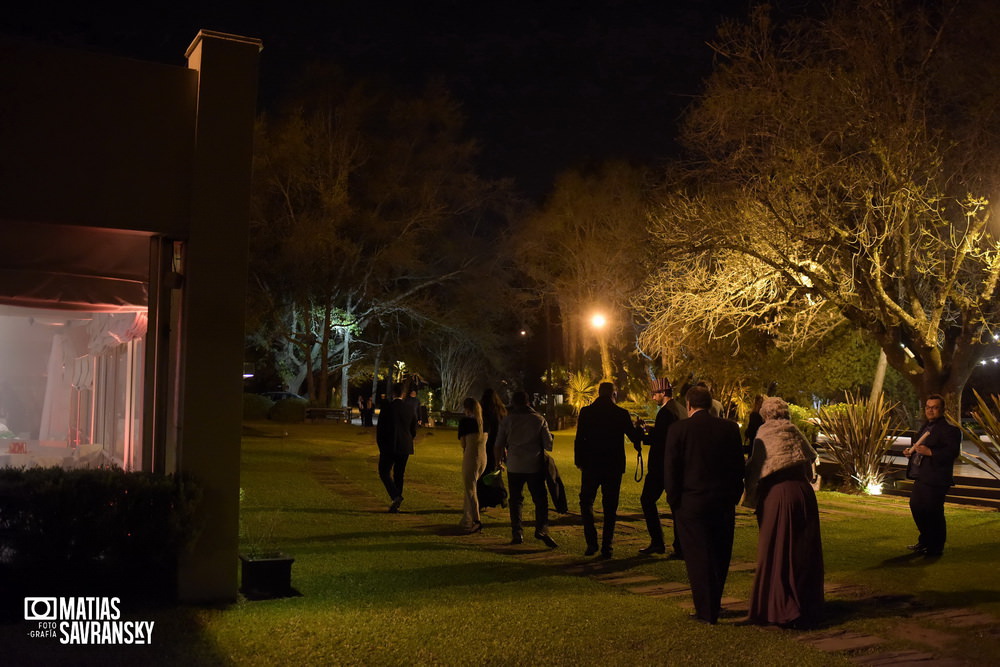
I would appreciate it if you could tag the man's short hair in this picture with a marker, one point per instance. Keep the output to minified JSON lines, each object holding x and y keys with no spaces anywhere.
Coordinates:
{"x":520,"y":399}
{"x":397,"y":389}
{"x":699,"y":396}
{"x":937,"y":397}
{"x":606,"y":389}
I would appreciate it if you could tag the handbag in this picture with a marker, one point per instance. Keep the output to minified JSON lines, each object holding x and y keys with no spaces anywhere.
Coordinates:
{"x":492,"y":478}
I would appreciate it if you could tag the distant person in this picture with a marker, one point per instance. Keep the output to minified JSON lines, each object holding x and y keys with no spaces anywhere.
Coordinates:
{"x":473,"y":439}
{"x":493,"y":413}
{"x":523,"y":438}
{"x":936,"y":446}
{"x":716,"y":409}
{"x":754,"y":420}
{"x":397,"y":427}
{"x":675,"y":406}
{"x":413,"y":402}
{"x":652,"y":487}
{"x":788,"y":580}
{"x":369,"y":418}
{"x":703,"y":478}
{"x":599,"y":453}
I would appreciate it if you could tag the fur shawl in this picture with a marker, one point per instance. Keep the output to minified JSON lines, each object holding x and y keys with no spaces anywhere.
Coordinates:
{"x":779,"y":445}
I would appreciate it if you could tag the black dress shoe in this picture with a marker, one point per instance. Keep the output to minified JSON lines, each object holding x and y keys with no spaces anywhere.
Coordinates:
{"x":675,"y":556}
{"x":605,"y":555}
{"x":590,"y":551}
{"x":548,"y":541}
{"x":932,"y":553}
{"x":917,"y":548}
{"x":517,"y":539}
{"x":396,"y":502}
{"x":696,"y":617}
{"x":653,"y":549}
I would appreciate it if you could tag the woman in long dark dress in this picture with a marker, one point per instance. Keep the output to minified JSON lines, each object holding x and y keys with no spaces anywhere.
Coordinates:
{"x":754,"y":420}
{"x":493,"y":412}
{"x":788,"y":584}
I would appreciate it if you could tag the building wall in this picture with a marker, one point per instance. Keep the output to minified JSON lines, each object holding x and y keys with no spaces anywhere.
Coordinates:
{"x":101,"y":142}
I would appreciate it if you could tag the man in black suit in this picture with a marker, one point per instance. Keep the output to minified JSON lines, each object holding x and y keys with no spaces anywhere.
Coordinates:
{"x":937,"y":444}
{"x":599,"y":453}
{"x":397,"y":426}
{"x":652,"y":488}
{"x":703,"y":478}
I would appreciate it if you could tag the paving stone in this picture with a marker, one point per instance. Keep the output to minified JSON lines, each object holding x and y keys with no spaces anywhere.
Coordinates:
{"x":960,"y":618}
{"x":541,"y":555}
{"x":742,"y":567}
{"x":666,"y":588}
{"x":844,"y":590}
{"x":904,"y":659}
{"x":624,"y":579}
{"x":841,"y":640}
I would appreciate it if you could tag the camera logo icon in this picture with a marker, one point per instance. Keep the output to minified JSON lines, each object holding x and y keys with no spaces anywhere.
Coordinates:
{"x":40,"y":609}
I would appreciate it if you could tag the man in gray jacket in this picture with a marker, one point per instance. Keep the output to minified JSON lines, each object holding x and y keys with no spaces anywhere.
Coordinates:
{"x":521,"y":442}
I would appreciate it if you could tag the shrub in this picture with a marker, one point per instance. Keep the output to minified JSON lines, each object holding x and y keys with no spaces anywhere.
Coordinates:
{"x":94,"y":531}
{"x":256,"y":406}
{"x":858,"y":439}
{"x":289,"y":410}
{"x":805,"y":420}
{"x":988,"y":419}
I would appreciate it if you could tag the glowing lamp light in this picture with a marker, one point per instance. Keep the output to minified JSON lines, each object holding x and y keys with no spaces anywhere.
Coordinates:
{"x":598,"y":321}
{"x":873,"y":489}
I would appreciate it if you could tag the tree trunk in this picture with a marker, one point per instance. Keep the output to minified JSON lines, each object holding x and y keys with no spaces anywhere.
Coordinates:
{"x":879,"y":381}
{"x":324,"y":358}
{"x":345,"y":371}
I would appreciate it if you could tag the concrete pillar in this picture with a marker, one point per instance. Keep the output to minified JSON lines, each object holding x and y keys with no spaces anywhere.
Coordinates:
{"x":213,"y":310}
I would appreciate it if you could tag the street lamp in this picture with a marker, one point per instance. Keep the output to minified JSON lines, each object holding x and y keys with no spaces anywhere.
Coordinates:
{"x":600,"y":323}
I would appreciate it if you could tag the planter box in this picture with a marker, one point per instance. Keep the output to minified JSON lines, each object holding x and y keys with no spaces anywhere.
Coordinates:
{"x":269,"y":577}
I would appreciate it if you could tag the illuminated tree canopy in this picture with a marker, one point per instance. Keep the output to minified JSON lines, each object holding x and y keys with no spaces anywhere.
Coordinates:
{"x":364,"y":202}
{"x":841,"y":169}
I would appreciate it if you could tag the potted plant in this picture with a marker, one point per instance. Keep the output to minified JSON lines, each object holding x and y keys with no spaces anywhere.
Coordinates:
{"x":265,"y":572}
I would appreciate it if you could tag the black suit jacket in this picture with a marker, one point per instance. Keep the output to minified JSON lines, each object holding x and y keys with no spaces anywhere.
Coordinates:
{"x":397,"y":426}
{"x":600,"y":436}
{"x":657,"y":438}
{"x":703,"y":463}
{"x":945,"y":441}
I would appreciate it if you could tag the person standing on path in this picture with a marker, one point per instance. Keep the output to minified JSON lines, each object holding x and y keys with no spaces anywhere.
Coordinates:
{"x":600,"y":455}
{"x":652,"y":488}
{"x":703,"y":477}
{"x":936,"y":445}
{"x":394,"y":434}
{"x":473,"y":439}
{"x":523,"y":438}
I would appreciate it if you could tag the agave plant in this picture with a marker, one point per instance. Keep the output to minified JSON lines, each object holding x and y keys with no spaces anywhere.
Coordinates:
{"x":859,"y":436}
{"x":988,"y":418}
{"x":581,"y":390}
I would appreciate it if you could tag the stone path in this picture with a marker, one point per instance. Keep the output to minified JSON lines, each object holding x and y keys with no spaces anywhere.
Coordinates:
{"x":630,"y":535}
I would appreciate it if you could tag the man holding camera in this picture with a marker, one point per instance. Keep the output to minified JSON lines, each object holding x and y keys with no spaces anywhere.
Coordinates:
{"x":932,"y":460}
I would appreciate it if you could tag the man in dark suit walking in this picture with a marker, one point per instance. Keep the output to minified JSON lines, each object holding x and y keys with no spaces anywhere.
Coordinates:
{"x":936,"y":445}
{"x":397,"y":426}
{"x":652,"y":489}
{"x":599,"y":453}
{"x":703,"y":477}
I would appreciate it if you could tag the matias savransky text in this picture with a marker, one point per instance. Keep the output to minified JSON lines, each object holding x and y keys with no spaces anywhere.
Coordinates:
{"x":84,"y":620}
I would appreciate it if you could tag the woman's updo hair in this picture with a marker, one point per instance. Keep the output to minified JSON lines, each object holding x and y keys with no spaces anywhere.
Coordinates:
{"x":774,"y":408}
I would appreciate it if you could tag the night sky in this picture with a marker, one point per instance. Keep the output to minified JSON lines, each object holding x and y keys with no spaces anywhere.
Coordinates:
{"x":545,"y":84}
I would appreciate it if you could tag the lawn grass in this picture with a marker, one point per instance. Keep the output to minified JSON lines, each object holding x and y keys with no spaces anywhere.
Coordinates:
{"x":382,"y":589}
